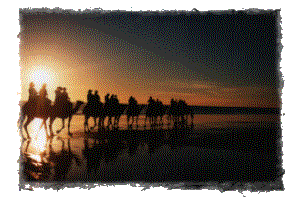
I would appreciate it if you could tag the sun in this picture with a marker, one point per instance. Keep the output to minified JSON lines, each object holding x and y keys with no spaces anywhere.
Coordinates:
{"x":40,"y":75}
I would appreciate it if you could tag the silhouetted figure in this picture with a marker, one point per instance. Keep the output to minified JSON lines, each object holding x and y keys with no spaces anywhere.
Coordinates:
{"x":117,"y":110}
{"x":62,"y":100}
{"x":65,"y":96}
{"x":94,"y":109}
{"x":58,"y":93}
{"x":97,"y":97}
{"x":150,"y":112}
{"x":161,"y":110}
{"x":107,"y":98}
{"x":90,"y":97}
{"x":32,"y":93}
{"x":43,"y":92}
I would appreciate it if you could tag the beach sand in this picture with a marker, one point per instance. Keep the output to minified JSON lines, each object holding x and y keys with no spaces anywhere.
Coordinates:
{"x":247,"y":153}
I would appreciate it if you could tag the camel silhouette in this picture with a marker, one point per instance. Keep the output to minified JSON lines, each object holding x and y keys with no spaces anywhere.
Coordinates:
{"x":133,"y":111}
{"x":95,"y":111}
{"x":63,"y":112}
{"x":39,"y":109}
{"x":44,"y":110}
{"x":112,"y":111}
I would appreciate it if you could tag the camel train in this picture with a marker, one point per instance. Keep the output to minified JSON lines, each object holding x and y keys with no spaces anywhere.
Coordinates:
{"x":39,"y":106}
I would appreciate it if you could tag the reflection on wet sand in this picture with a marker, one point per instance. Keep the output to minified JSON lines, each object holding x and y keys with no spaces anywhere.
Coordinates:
{"x":51,"y":160}
{"x":49,"y":165}
{"x":153,"y":154}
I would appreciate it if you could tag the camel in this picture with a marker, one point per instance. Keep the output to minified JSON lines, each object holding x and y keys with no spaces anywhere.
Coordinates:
{"x":179,"y":112}
{"x":133,"y":112}
{"x":113,"y":111}
{"x":37,"y":109}
{"x":94,"y":111}
{"x":44,"y":110}
{"x":150,"y":114}
{"x":101,"y":111}
{"x":63,"y":112}
{"x":155,"y":110}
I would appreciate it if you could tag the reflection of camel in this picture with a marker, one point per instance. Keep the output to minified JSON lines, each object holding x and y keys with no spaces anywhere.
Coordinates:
{"x":63,"y":112}
{"x":62,"y":161}
{"x":41,"y":166}
{"x":35,"y":166}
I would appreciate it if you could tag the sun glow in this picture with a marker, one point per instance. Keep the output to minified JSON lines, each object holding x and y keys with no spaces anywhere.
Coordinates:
{"x":40,"y":75}
{"x":39,"y":136}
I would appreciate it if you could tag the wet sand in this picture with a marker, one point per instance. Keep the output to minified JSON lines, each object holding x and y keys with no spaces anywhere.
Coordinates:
{"x":174,"y":155}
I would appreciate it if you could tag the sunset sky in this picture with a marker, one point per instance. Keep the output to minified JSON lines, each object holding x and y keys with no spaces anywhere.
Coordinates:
{"x":206,"y":59}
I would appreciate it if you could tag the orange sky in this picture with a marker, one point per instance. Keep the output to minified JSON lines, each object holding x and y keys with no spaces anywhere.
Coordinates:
{"x":80,"y":58}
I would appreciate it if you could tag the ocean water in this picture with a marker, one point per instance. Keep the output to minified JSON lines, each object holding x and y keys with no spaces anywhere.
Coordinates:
{"x":217,"y":147}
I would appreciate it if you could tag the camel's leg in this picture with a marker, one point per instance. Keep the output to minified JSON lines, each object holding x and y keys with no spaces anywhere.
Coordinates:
{"x":45,"y":126}
{"x":128,"y":118}
{"x":118,"y":120}
{"x":95,"y":123}
{"x":63,"y":125}
{"x":100,"y":123}
{"x":132,"y":120}
{"x":50,"y":126}
{"x":114,"y":122}
{"x":168,"y":119}
{"x":86,"y":124}
{"x":28,"y":121}
{"x":136,"y":120}
{"x":109,"y":121}
{"x":102,"y":120}
{"x":69,"y":124}
{"x":145,"y":121}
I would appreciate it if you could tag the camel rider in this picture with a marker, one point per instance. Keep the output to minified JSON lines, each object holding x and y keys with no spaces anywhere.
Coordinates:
{"x":43,"y":96}
{"x":32,"y":93}
{"x":107,"y":98}
{"x":116,"y":100}
{"x":97,"y":97}
{"x":65,"y":96}
{"x":90,"y":97}
{"x":58,"y":95}
{"x":131,"y":101}
{"x":150,"y":101}
{"x":43,"y":92}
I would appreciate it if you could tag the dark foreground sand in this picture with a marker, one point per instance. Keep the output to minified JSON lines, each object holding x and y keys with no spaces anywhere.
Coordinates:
{"x":177,"y":155}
